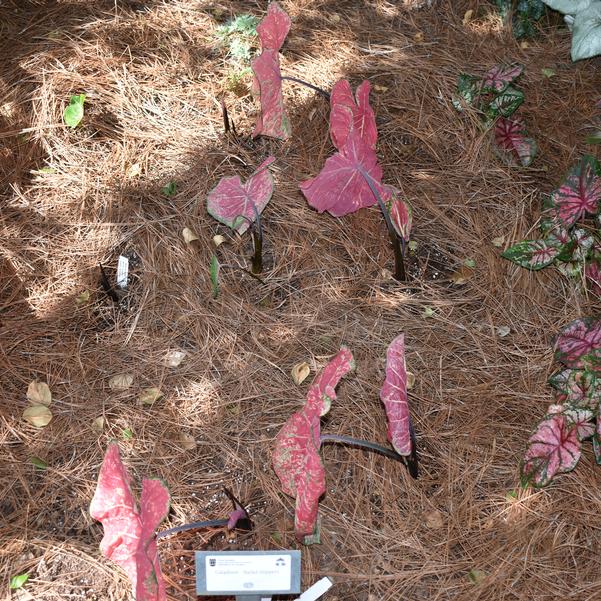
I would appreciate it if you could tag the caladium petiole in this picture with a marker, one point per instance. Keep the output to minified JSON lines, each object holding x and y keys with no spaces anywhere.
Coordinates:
{"x":296,"y":458}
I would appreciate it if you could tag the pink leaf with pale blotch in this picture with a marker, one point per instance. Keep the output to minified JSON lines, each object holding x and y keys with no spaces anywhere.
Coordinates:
{"x":274,"y":27}
{"x":554,"y":448}
{"x":510,"y":134}
{"x":394,"y":397}
{"x":272,"y":120}
{"x":348,"y":114}
{"x":582,"y":420}
{"x":580,"y":193}
{"x":296,"y":459}
{"x":129,"y":534}
{"x":499,"y":77}
{"x":233,"y":203}
{"x":592,"y":271}
{"x":401,"y":212}
{"x":341,"y":186}
{"x":579,"y":343}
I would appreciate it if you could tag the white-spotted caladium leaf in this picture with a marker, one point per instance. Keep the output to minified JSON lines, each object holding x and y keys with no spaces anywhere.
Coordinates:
{"x":274,"y":27}
{"x":129,"y":534}
{"x":533,"y":254}
{"x":499,"y":77}
{"x":505,"y":103}
{"x":511,"y":135}
{"x":554,"y":448}
{"x":236,"y":204}
{"x":348,"y":114}
{"x":578,"y":388}
{"x":341,"y":186}
{"x":580,"y":193}
{"x":272,"y":120}
{"x":578,"y":345}
{"x":296,"y":459}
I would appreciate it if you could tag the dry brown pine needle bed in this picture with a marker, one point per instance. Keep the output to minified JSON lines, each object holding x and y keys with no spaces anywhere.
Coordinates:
{"x":153,"y":77}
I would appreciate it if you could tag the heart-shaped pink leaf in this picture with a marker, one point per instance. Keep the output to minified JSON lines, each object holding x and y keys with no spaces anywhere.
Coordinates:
{"x":582,"y":420}
{"x":236,"y":204}
{"x":341,"y":186}
{"x":579,"y":343}
{"x":554,"y":448}
{"x":510,"y":134}
{"x":274,"y":27}
{"x":499,"y":77}
{"x":296,"y":459}
{"x":394,"y":396}
{"x":401,"y":213}
{"x":128,"y":534}
{"x":580,"y":193}
{"x":348,"y":114}
{"x":576,"y":387}
{"x":533,"y":254}
{"x":592,"y":271}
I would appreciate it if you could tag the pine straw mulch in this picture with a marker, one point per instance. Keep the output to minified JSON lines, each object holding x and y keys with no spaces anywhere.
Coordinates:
{"x":153,"y":78}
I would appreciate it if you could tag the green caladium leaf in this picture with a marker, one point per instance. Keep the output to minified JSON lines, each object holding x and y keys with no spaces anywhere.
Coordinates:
{"x":533,"y":254}
{"x":73,"y":114}
{"x":469,"y":87}
{"x":526,"y":13}
{"x":505,"y":104}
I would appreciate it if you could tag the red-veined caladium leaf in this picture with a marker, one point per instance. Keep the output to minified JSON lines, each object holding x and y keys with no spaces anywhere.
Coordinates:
{"x":578,"y":344}
{"x":236,"y":204}
{"x":274,"y":27}
{"x":296,"y":459}
{"x":499,"y":77}
{"x":394,"y":396}
{"x":533,"y":254}
{"x":272,"y":120}
{"x":578,"y":388}
{"x":348,"y":114}
{"x":341,"y":186}
{"x":510,"y":134}
{"x":128,"y":533}
{"x":554,"y":448}
{"x":582,"y":420}
{"x":592,"y":271}
{"x":580,"y":193}
{"x":400,"y":211}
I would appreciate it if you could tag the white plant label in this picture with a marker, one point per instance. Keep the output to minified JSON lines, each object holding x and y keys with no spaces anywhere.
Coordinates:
{"x":122,"y":271}
{"x":232,"y":572}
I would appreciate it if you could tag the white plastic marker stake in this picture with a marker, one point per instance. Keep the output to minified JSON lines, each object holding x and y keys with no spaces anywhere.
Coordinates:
{"x":317,"y":590}
{"x":122,"y":271}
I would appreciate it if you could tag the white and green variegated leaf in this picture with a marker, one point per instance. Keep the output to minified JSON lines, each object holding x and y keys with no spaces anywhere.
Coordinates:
{"x":469,"y":87}
{"x":586,"y":32}
{"x":505,"y":104}
{"x":568,"y":7}
{"x":532,"y":254}
{"x":581,"y":389}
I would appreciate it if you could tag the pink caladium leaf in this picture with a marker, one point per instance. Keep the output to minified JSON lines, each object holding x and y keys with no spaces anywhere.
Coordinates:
{"x":274,"y":27}
{"x":296,"y":459}
{"x":129,"y":534}
{"x":533,"y":254}
{"x":580,"y":193}
{"x":578,"y":388}
{"x":510,"y":134}
{"x":578,"y":344}
{"x":348,"y":114}
{"x":499,"y":77}
{"x":341,"y":187}
{"x":582,"y":420}
{"x":400,"y":211}
{"x":394,"y":396}
{"x":272,"y":120}
{"x":554,"y":448}
{"x":592,"y":271}
{"x":236,"y":204}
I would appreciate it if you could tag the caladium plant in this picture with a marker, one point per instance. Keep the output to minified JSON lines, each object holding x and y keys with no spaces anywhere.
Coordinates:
{"x":351,"y":179}
{"x":239,"y":206}
{"x":495,"y":96}
{"x":129,"y":533}
{"x":296,"y":458}
{"x":555,"y":446}
{"x":272,"y":120}
{"x":570,"y":238}
{"x":525,"y":13}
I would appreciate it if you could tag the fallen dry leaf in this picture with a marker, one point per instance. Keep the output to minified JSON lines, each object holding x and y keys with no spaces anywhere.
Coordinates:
{"x":503,"y":331}
{"x":418,"y":37}
{"x":410,"y":380}
{"x":467,"y":17}
{"x":434,"y":519}
{"x":38,"y":415}
{"x":121,"y":382}
{"x":98,"y":424}
{"x":499,"y":241}
{"x":188,"y":235}
{"x":149,"y":395}
{"x":218,"y":240}
{"x":379,"y":88}
{"x":83,"y":298}
{"x":134,"y":170}
{"x":462,"y":275}
{"x":300,"y":372}
{"x":187,"y":442}
{"x":39,"y":393}
{"x":174,"y":358}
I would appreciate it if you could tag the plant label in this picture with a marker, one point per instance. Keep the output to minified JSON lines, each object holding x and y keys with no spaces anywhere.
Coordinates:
{"x":248,"y":574}
{"x":122,"y":271}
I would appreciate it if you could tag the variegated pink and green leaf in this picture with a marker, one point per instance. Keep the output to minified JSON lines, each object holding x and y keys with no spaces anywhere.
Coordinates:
{"x":505,"y":103}
{"x":511,"y":135}
{"x":296,"y":459}
{"x":578,"y":344}
{"x":580,"y":193}
{"x":582,"y":420}
{"x":274,"y":27}
{"x":553,"y":448}
{"x":236,"y":204}
{"x":500,"y":76}
{"x":576,"y":387}
{"x":533,"y":254}
{"x":469,"y":88}
{"x":592,"y":271}
{"x":129,"y":534}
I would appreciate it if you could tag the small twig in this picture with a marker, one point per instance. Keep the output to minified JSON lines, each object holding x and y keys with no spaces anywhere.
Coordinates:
{"x":226,"y":119}
{"x":257,"y":236}
{"x":106,"y":285}
{"x":325,"y":94}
